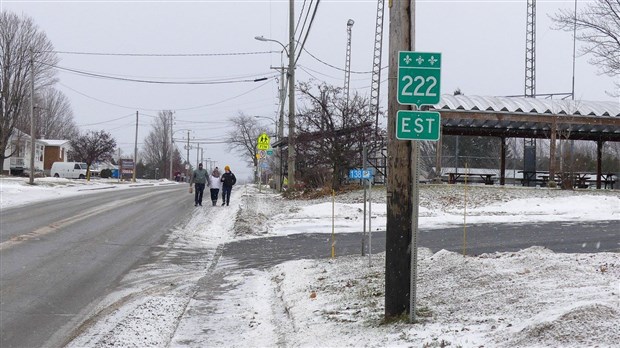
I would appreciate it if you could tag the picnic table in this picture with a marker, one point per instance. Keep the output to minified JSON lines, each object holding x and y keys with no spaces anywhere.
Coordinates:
{"x":487,"y":178}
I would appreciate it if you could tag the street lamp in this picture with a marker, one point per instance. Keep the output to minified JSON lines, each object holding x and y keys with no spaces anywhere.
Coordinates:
{"x":291,"y":101}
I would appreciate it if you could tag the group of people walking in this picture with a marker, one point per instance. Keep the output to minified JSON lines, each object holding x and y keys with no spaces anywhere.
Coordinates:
{"x":215,"y":181}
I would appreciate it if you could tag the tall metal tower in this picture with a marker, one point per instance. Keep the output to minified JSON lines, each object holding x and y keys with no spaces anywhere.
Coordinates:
{"x":376,"y":65}
{"x":347,"y":64}
{"x":529,"y":145}
{"x":530,"y":50}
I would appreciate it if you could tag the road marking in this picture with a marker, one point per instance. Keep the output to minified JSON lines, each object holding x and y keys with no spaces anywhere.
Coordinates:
{"x":54,"y":226}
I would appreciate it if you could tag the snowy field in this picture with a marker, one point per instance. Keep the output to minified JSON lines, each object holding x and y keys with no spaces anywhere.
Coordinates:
{"x":196,"y":297}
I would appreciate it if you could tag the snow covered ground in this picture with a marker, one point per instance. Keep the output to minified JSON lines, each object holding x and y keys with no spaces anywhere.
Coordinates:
{"x":196,"y":296}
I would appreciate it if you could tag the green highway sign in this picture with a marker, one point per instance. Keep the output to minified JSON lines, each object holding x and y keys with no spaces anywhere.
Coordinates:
{"x":419,"y":77}
{"x":417,"y":125}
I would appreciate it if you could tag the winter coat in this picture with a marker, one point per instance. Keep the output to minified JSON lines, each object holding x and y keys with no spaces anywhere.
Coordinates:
{"x":199,"y":176}
{"x":214,"y":182}
{"x":228,"y":179}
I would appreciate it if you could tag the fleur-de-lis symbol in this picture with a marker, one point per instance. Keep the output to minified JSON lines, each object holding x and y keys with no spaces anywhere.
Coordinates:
{"x":420,"y":60}
{"x":407,"y":59}
{"x":432,"y":60}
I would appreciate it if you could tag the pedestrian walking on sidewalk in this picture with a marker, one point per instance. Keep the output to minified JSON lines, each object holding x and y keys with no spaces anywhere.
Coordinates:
{"x":215,"y":184}
{"x":228,"y":180}
{"x":199,"y":178}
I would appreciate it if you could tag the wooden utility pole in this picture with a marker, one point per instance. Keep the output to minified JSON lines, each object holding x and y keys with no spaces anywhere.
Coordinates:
{"x":135,"y":151}
{"x":399,"y":178}
{"x":32,"y":126}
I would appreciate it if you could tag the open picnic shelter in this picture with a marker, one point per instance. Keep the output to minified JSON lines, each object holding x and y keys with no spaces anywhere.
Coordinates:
{"x":531,"y":118}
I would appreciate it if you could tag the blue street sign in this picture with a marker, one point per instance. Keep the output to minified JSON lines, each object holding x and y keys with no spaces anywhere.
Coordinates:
{"x":360,"y":174}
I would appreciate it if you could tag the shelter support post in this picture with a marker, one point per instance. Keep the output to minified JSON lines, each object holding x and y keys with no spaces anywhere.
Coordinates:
{"x":502,"y":169}
{"x":438,"y":147}
{"x":554,"y":131}
{"x":599,"y":161}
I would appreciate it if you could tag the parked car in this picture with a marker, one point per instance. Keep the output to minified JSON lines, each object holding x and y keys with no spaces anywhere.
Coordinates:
{"x":70,"y":170}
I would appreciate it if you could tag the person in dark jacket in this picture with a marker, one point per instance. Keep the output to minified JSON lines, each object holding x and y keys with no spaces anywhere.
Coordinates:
{"x":198,"y":180}
{"x":228,"y":180}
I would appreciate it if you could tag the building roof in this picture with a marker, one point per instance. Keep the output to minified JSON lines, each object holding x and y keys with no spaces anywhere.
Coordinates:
{"x":528,"y":117}
{"x":529,"y":105}
{"x":52,"y":142}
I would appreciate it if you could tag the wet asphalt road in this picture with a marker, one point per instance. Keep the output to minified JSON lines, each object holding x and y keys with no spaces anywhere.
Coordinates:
{"x":564,"y":237}
{"x":60,"y":257}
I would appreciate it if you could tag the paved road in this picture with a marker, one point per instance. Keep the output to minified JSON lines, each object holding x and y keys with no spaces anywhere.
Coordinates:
{"x":59,"y":257}
{"x":562,"y":237}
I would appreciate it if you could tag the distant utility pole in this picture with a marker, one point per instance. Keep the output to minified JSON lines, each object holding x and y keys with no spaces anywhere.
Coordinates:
{"x":32,"y":135}
{"x":171,"y":146}
{"x":291,"y":96}
{"x":135,"y":151}
{"x":399,"y":179}
{"x":187,"y":147}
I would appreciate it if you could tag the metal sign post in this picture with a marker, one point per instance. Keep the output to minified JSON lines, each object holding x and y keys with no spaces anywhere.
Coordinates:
{"x":419,"y":81}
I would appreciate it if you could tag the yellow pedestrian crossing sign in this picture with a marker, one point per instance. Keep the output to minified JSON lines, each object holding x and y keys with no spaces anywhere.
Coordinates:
{"x":263,"y":142}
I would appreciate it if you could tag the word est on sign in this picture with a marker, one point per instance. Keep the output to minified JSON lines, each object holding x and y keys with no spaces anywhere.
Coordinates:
{"x":417,"y":125}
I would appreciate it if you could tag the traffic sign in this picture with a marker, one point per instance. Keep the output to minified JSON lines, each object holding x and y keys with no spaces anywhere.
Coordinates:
{"x":270,"y":152}
{"x":360,"y":174}
{"x":262,"y":154}
{"x":263,"y":142}
{"x":417,"y":125}
{"x":419,"y":77}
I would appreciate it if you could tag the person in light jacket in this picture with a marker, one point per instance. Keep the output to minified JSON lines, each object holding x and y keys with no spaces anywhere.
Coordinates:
{"x":199,"y":178}
{"x":215,"y":184}
{"x":228,"y":180}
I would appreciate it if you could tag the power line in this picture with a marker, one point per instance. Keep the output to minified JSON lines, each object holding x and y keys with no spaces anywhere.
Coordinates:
{"x":303,"y":6}
{"x":303,"y":43}
{"x":303,"y":26}
{"x":163,"y":54}
{"x":102,"y":122}
{"x":177,"y":109}
{"x":109,"y":77}
{"x":337,"y":68}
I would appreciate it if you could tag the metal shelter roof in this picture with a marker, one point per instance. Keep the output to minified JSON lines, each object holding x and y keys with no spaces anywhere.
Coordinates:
{"x":528,"y":117}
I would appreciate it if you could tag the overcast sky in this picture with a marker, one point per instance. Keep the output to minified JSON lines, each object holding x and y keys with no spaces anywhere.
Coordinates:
{"x":482,"y":45}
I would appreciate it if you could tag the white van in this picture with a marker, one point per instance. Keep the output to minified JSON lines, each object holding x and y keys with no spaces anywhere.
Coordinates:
{"x":71,"y":170}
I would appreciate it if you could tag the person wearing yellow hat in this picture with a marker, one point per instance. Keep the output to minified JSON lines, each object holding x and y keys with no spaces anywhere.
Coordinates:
{"x":228,"y":180}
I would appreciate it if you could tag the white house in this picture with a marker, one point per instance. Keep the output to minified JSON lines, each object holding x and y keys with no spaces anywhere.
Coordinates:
{"x":19,"y":145}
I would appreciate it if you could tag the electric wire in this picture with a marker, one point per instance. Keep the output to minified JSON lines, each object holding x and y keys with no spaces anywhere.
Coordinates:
{"x":102,"y":122}
{"x":109,"y":77}
{"x":299,"y":18}
{"x":163,"y":54}
{"x":177,"y":109}
{"x":303,"y":43}
{"x":303,"y":27}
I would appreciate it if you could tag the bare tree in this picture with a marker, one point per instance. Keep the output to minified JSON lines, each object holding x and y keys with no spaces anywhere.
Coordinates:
{"x":93,"y":146}
{"x":598,"y":27}
{"x":53,"y":116}
{"x":331,"y":133}
{"x":243,"y":138}
{"x":20,"y":42}
{"x":157,"y":143}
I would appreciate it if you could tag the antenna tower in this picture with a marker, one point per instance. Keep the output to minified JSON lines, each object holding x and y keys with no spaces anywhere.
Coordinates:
{"x":376,"y":65}
{"x":530,"y":50}
{"x":347,"y":64}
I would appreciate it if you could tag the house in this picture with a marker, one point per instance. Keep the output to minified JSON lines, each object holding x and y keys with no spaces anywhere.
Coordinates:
{"x":55,"y":151}
{"x":46,"y":152}
{"x":18,"y":148}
